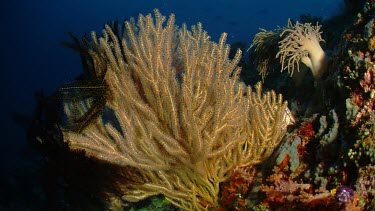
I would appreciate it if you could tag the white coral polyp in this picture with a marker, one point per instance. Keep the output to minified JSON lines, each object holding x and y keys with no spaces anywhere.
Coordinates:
{"x":302,"y":45}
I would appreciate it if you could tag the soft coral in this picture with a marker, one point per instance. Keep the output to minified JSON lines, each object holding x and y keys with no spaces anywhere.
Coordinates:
{"x":301,"y":44}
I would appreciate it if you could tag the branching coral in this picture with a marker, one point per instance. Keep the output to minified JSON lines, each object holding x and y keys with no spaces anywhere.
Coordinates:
{"x":264,"y":45}
{"x":178,"y":112}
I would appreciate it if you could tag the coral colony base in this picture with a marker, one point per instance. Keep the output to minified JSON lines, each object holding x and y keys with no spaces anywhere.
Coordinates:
{"x":160,"y":115}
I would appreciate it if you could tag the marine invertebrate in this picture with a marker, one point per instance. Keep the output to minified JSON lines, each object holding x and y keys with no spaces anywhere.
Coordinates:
{"x":293,"y":45}
{"x":176,"y":110}
{"x":265,"y":43}
{"x":371,"y":44}
{"x":362,"y":92}
{"x":288,"y":154}
{"x":89,"y":87}
{"x":288,"y":194}
{"x":344,"y":194}
{"x":234,"y":192}
{"x":306,"y":130}
{"x":365,"y":185}
{"x":301,"y":44}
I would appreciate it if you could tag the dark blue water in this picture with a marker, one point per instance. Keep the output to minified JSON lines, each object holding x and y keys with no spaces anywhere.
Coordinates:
{"x":32,"y":58}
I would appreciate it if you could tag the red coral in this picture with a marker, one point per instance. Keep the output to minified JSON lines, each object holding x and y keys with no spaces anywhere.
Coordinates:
{"x":362,"y":93}
{"x":285,"y":162}
{"x":297,"y":196}
{"x":357,"y":98}
{"x":233,"y":193}
{"x":306,"y":130}
{"x":301,"y":149}
{"x":366,"y":102}
{"x":368,"y":80}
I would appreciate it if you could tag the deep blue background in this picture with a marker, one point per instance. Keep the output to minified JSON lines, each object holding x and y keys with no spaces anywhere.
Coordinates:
{"x":32,"y":58}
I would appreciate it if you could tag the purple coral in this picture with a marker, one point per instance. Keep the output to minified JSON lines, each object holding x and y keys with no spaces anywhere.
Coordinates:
{"x":344,"y":194}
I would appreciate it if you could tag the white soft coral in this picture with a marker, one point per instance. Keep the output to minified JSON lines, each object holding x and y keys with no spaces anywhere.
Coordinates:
{"x":301,"y":44}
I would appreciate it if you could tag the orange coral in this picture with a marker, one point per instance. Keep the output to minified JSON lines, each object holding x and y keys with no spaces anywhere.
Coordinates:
{"x":285,"y":162}
{"x":371,"y":44}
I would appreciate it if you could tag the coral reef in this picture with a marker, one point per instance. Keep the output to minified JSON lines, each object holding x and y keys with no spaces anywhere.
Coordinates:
{"x":161,"y":113}
{"x":333,"y":149}
{"x":365,"y":187}
{"x":358,"y":75}
{"x":234,"y":192}
{"x":174,"y":112}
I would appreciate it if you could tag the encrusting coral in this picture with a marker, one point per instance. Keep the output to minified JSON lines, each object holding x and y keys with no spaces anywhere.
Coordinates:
{"x":176,"y":111}
{"x":298,"y":43}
